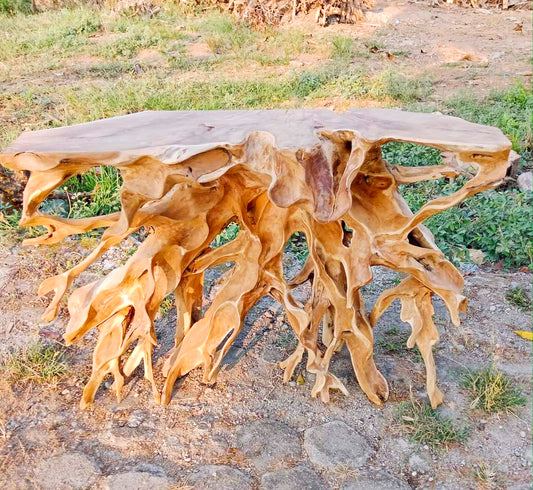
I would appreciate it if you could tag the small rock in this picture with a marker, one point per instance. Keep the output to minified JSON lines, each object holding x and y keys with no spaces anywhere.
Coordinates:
{"x":524,"y":181}
{"x":418,"y":464}
{"x":336,"y":444}
{"x":376,"y":481}
{"x":268,"y":441}
{"x":66,"y":471}
{"x":135,"y":419}
{"x":468,"y":267}
{"x":136,"y":480}
{"x":108,"y":265}
{"x":219,"y":477}
{"x":476,"y":256}
{"x":297,"y":478}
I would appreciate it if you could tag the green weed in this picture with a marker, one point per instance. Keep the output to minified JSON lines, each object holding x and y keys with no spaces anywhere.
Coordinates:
{"x":12,"y":7}
{"x":510,"y":110}
{"x":94,"y":193}
{"x":166,"y":305}
{"x":499,"y":223}
{"x":427,"y":426}
{"x":228,"y":234}
{"x":297,"y":246}
{"x":490,"y":390}
{"x":35,"y":363}
{"x":342,"y":48}
{"x":518,"y":297}
{"x":402,"y":88}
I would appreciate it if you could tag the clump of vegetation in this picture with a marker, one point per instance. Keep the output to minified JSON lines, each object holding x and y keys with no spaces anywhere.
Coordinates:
{"x":510,"y":110}
{"x":38,"y":362}
{"x":490,"y":390}
{"x":166,"y":305}
{"x":427,"y":426}
{"x":486,"y":475}
{"x":393,"y":342}
{"x":518,"y":297}
{"x":402,"y":88}
{"x":297,"y":246}
{"x":12,"y":7}
{"x":342,"y":48}
{"x":498,"y":223}
{"x":227,"y":235}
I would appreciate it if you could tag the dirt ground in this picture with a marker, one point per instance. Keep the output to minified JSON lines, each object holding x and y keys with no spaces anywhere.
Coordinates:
{"x":457,"y":47}
{"x":250,"y":430}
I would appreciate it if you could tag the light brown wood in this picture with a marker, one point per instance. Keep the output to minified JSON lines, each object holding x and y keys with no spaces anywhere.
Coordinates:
{"x":186,"y":175}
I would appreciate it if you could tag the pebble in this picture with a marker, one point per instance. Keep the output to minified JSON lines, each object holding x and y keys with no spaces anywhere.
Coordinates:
{"x":136,"y":480}
{"x":69,"y":470}
{"x":267,"y":442}
{"x":219,"y":477}
{"x":336,"y":444}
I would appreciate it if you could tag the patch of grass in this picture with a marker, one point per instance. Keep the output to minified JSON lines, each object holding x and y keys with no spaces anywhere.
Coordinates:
{"x":286,"y":339}
{"x":39,"y":362}
{"x":490,"y":390}
{"x":12,"y":7}
{"x":410,"y":154}
{"x":297,"y":246}
{"x":518,"y":297}
{"x":291,"y":41}
{"x":228,"y":234}
{"x":402,"y":88}
{"x":427,"y":426}
{"x":374,"y":45}
{"x":486,"y":475}
{"x":498,"y":223}
{"x":342,"y":48}
{"x":9,"y":227}
{"x":225,"y":34}
{"x":55,"y":33}
{"x":392,"y":342}
{"x":166,"y":306}
{"x":94,"y":193}
{"x":510,"y":110}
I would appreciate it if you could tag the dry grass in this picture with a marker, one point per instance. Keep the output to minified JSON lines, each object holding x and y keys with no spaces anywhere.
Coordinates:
{"x":426,"y":426}
{"x":39,"y":363}
{"x":490,"y":390}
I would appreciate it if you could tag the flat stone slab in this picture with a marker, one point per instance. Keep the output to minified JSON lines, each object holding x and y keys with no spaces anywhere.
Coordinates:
{"x":219,"y":477}
{"x":267,"y":442}
{"x":376,"y":481}
{"x":136,"y":480}
{"x":336,"y":444}
{"x":297,"y":478}
{"x":66,"y":471}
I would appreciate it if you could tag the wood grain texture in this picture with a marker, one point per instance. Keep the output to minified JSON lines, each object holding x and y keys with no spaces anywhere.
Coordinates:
{"x":186,"y":175}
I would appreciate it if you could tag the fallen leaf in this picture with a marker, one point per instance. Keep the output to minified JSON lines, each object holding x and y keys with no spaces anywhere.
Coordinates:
{"x":300,"y":379}
{"x":524,"y":334}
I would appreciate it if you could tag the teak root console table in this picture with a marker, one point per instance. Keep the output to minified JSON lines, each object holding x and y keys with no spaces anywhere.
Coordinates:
{"x":186,"y":175}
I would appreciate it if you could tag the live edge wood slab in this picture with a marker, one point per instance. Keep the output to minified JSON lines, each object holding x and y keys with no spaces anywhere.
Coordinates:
{"x":186,"y":175}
